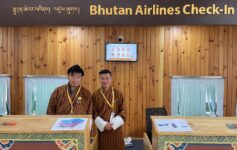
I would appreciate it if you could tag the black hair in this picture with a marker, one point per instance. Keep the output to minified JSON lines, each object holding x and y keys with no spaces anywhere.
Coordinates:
{"x":75,"y":69}
{"x":105,"y":71}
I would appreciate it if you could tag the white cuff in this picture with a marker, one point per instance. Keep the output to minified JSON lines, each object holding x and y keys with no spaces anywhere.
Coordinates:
{"x":91,"y":121}
{"x":100,"y":123}
{"x":117,"y":122}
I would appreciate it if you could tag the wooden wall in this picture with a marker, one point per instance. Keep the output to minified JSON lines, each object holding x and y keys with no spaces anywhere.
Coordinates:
{"x":163,"y":52}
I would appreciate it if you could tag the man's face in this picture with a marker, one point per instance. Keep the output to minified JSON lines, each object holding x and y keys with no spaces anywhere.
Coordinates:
{"x":74,"y":79}
{"x":105,"y":80}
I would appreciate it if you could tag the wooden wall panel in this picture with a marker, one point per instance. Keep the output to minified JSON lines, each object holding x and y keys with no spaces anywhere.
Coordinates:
{"x":202,"y":51}
{"x":163,"y":51}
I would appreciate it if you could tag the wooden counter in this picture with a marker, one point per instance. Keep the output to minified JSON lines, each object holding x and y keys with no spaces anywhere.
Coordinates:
{"x":208,"y":134}
{"x":35,"y":132}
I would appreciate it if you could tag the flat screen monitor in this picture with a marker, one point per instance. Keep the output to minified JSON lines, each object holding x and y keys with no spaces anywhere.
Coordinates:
{"x":121,"y":52}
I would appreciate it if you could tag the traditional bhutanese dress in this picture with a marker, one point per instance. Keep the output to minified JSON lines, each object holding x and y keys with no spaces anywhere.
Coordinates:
{"x":102,"y":110}
{"x":64,"y":102}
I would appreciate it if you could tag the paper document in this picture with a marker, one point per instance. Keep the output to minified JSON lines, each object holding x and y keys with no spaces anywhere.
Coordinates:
{"x":70,"y":124}
{"x":173,"y":125}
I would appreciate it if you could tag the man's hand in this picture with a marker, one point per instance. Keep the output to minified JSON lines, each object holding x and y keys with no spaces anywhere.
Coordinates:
{"x":108,"y":127}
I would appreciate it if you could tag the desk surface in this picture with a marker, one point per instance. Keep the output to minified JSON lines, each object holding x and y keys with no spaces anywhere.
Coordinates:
{"x":202,"y":126}
{"x":36,"y":124}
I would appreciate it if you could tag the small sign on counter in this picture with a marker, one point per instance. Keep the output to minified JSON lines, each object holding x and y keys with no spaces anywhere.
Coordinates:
{"x":173,"y":125}
{"x":70,"y":124}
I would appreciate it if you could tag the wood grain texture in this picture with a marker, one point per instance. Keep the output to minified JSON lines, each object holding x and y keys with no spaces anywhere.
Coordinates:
{"x":39,"y":124}
{"x":163,"y":51}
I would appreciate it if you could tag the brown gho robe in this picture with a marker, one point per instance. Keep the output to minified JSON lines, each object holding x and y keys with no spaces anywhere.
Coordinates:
{"x":114,"y":139}
{"x":60,"y":105}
